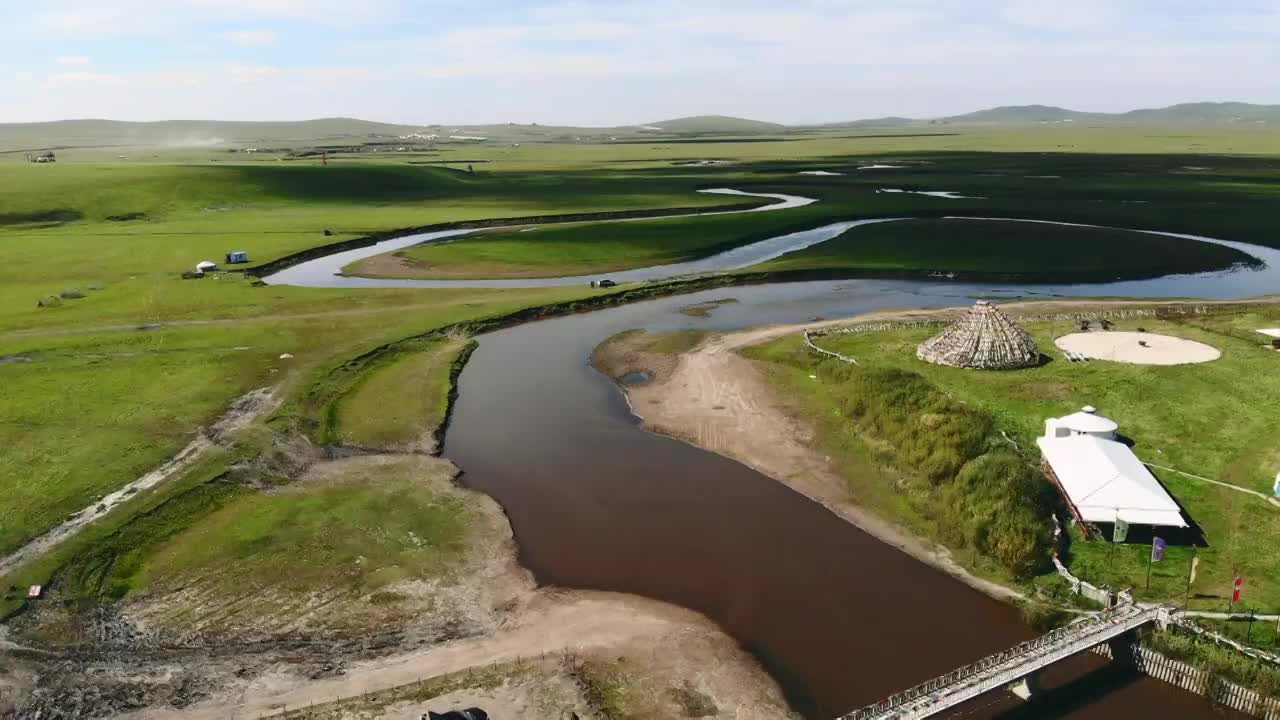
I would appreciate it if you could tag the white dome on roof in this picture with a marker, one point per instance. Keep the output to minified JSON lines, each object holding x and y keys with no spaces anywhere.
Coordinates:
{"x":1087,"y":421}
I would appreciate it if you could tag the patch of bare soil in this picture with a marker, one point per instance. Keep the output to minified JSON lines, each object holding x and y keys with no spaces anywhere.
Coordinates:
{"x":536,"y":648}
{"x":638,"y":353}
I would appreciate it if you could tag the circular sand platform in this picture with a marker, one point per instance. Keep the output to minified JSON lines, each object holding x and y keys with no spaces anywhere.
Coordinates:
{"x":1124,"y":347}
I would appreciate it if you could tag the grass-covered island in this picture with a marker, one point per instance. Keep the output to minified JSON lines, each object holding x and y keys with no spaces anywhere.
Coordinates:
{"x":1025,"y":250}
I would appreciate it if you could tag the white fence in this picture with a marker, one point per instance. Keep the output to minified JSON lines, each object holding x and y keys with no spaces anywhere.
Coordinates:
{"x":1200,"y":682}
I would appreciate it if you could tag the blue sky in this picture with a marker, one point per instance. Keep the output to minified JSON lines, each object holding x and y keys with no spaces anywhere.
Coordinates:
{"x":624,"y":62}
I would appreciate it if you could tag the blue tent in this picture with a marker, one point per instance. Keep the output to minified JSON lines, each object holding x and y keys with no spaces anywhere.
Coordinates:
{"x":237,"y":256}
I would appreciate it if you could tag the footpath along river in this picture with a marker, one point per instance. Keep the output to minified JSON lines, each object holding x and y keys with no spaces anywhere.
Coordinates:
{"x":840,"y":618}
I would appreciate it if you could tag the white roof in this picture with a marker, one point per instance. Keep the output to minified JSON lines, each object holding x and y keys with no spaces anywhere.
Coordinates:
{"x":1088,"y":422}
{"x":1273,"y":332}
{"x":1106,"y":481}
{"x":205,"y":265}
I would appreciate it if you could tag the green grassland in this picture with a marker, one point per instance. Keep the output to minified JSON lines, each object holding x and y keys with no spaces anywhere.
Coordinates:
{"x":87,"y":413}
{"x":1025,"y":250}
{"x":403,"y":403}
{"x":256,"y":539}
{"x":91,"y":400}
{"x":1226,"y":197}
{"x":585,"y":248}
{"x":1211,"y":420}
{"x":234,"y":546}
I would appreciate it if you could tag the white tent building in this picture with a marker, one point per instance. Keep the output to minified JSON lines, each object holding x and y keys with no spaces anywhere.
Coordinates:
{"x":1101,"y":479}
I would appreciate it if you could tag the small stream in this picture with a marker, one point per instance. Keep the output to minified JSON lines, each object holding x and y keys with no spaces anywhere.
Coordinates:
{"x":838,"y":617}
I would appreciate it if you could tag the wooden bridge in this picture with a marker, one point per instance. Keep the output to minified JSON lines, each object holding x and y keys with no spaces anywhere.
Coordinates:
{"x":1009,"y":666}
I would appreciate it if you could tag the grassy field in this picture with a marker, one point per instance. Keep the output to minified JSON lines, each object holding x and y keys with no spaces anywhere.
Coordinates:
{"x":403,"y":403}
{"x":92,"y":401}
{"x":229,"y":546}
{"x":143,"y":394}
{"x":1027,"y":250}
{"x":1211,"y":420}
{"x":586,"y":248}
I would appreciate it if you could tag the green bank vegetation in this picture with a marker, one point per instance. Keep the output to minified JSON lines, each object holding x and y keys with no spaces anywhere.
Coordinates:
{"x":915,"y":455}
{"x":404,"y":403}
{"x":1212,"y":419}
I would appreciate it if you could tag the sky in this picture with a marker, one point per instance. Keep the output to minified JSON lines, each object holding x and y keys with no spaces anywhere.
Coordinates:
{"x":623,"y":62}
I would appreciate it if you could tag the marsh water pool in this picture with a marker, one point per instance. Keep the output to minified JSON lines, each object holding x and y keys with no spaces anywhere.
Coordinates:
{"x":839,"y":618}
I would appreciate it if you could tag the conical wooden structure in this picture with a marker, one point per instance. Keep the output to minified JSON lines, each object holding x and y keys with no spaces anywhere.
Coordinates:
{"x":984,"y":339}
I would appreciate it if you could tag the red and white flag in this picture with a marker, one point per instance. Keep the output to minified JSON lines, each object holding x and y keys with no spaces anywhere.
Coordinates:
{"x":1237,"y":585}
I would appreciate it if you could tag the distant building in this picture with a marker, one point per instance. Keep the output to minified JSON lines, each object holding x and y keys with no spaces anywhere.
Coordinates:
{"x":237,"y":256}
{"x":45,"y":157}
{"x":1100,"y":479}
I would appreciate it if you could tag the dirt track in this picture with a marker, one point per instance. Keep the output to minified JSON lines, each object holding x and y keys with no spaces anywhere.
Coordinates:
{"x":243,"y":411}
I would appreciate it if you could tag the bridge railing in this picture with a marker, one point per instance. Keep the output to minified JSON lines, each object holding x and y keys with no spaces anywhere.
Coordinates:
{"x":1073,"y":631}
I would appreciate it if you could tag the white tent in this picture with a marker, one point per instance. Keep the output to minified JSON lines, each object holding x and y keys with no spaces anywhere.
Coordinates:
{"x":1085,"y":422}
{"x":1104,"y":481}
{"x":206,"y":266}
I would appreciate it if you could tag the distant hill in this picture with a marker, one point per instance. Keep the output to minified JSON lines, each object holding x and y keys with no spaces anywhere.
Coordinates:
{"x":715,"y":124}
{"x":1208,"y":113}
{"x":1019,"y":115}
{"x":1204,"y":113}
{"x":350,"y":131}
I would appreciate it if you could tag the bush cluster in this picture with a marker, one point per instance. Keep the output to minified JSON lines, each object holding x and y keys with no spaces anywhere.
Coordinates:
{"x":982,"y":493}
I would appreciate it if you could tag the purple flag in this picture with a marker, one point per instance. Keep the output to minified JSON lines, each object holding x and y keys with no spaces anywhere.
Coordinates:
{"x":1157,"y":549}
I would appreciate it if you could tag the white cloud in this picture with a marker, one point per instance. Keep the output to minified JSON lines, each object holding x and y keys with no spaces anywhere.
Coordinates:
{"x":72,"y":60}
{"x":630,"y":61}
{"x":249,"y":74}
{"x":88,"y":78}
{"x":251,"y":38}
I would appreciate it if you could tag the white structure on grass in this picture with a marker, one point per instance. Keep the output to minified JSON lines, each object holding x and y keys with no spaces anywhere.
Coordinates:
{"x":1101,"y":479}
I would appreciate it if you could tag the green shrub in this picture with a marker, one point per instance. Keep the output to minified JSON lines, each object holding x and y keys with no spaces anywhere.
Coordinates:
{"x":982,"y":494}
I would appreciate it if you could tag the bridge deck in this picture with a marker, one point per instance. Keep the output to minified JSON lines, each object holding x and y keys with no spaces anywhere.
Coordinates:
{"x":1005,"y":667}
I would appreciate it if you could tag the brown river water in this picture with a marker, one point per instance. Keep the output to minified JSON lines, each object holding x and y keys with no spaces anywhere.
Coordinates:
{"x":838,"y":617}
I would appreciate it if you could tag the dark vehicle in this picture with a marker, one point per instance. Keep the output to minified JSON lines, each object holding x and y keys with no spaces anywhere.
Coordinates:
{"x":603,"y":283}
{"x":468,"y":714}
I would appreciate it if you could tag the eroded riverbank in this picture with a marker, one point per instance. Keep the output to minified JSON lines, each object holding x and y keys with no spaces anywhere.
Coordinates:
{"x":204,"y":650}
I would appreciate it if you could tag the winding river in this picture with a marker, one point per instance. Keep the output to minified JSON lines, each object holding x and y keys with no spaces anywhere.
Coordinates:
{"x":840,"y":618}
